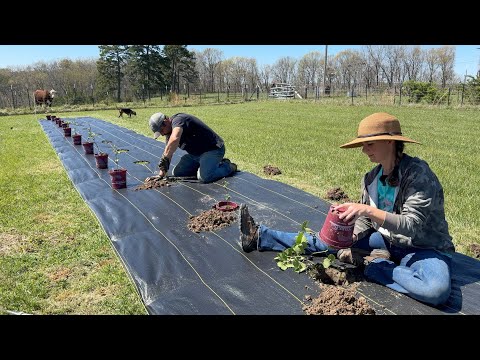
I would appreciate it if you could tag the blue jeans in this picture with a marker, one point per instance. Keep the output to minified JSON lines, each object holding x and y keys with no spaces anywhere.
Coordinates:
{"x":423,"y":274}
{"x":275,"y":240}
{"x":207,"y":166}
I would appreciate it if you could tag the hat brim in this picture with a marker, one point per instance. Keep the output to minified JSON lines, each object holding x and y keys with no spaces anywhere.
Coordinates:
{"x":359,"y":141}
{"x":156,"y":134}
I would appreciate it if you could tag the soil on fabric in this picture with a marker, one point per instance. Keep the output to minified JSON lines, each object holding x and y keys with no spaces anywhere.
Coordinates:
{"x":271,"y":170}
{"x":336,"y":274}
{"x":153,"y":184}
{"x":338,"y":300}
{"x":210,"y":220}
{"x":338,"y":284}
{"x":337,"y":194}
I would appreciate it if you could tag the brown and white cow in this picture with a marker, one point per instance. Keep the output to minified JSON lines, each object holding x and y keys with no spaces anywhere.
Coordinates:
{"x":44,"y":97}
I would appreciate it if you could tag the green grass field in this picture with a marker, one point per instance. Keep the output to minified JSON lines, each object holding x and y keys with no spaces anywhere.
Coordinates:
{"x":56,"y":259}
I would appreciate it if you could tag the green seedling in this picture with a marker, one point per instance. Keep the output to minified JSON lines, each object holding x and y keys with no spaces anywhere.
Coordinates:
{"x":117,"y":151}
{"x":227,"y":195}
{"x":74,"y":127}
{"x":91,"y":138}
{"x":295,"y":257}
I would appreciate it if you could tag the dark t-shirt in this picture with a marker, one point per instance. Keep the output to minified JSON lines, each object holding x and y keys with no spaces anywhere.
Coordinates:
{"x":197,"y":137}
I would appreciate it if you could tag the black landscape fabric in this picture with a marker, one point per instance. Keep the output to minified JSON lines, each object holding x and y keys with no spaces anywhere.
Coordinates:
{"x":177,"y":271}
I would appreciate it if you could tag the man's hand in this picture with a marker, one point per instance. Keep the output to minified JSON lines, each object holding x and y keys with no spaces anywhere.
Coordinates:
{"x":160,"y":176}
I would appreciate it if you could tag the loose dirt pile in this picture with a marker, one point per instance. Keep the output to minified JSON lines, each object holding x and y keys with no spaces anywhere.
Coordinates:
{"x":343,"y":275}
{"x":211,"y":220}
{"x":152,"y":184}
{"x":337,"y":194}
{"x":338,"y":300}
{"x":271,"y":170}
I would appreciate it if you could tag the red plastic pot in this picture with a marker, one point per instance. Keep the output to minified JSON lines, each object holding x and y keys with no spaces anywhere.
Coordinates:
{"x":77,"y":139}
{"x":335,"y":232}
{"x":67,"y":131}
{"x":49,"y":117}
{"x":119,"y":178}
{"x":101,"y":160}
{"x":88,"y":147}
{"x":225,"y":206}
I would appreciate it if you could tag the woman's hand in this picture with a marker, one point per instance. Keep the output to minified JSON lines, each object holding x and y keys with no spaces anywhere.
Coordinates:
{"x":352,"y":211}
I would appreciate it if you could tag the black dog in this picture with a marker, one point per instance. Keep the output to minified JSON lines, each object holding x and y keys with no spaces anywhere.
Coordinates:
{"x":129,"y":112}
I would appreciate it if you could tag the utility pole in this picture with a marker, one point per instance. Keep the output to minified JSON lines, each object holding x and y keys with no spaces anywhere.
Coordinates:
{"x":325,"y":69}
{"x":478,"y":67}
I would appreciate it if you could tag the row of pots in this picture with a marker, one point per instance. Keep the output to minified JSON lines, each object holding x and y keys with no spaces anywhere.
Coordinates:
{"x":118,"y":176}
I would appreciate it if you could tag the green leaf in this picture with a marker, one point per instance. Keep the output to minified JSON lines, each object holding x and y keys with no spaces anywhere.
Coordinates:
{"x":299,"y":237}
{"x":303,"y":267}
{"x":298,"y":249}
{"x":327,"y":262}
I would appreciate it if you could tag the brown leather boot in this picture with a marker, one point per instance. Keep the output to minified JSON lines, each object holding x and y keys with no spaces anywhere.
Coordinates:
{"x":248,"y":230}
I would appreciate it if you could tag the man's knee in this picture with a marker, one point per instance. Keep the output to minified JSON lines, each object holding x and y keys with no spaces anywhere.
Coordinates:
{"x":205,"y":178}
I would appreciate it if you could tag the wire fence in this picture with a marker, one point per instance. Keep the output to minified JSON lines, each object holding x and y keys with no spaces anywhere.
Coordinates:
{"x":17,"y":98}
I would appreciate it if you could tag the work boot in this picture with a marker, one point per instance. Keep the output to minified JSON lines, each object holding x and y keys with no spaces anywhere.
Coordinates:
{"x":375,"y":254}
{"x":248,"y":230}
{"x":352,"y":256}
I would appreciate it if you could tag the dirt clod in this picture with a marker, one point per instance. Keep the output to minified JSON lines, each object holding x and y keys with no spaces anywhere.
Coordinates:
{"x":271,"y":170}
{"x":337,"y":194}
{"x":338,"y":300}
{"x":475,"y":250}
{"x":211,"y":220}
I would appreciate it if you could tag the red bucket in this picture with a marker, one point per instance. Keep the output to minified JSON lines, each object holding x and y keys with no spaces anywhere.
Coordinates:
{"x":335,"y":232}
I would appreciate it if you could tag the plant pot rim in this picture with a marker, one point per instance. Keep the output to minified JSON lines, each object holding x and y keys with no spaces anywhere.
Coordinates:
{"x":226,"y":205}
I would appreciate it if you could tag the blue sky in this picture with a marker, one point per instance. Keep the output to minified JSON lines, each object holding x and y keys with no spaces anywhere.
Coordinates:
{"x":467,"y":56}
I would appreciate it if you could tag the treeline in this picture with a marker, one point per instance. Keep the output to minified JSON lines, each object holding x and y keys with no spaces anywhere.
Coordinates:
{"x":135,"y":72}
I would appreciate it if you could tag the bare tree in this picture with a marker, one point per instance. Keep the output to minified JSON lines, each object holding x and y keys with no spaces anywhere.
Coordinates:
{"x":446,"y":59}
{"x":376,"y":54}
{"x":284,"y":70}
{"x":413,"y":61}
{"x":265,"y":76}
{"x":208,"y":61}
{"x":432,"y":64}
{"x":310,"y":68}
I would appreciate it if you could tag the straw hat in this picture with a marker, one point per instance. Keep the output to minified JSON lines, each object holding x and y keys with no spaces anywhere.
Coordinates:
{"x":378,"y":126}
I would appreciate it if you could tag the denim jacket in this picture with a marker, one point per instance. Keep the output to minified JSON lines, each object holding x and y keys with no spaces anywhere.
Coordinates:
{"x":418,"y":218}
